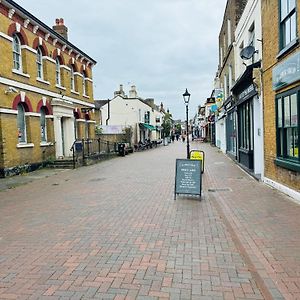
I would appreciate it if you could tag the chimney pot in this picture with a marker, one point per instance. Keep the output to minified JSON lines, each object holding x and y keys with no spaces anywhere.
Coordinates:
{"x":60,"y":28}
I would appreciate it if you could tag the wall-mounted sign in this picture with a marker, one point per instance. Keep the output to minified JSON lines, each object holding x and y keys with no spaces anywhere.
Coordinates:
{"x":246,"y":94}
{"x":286,"y":72}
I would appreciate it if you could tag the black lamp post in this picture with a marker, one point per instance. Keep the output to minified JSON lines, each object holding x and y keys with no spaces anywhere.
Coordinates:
{"x":186,"y":99}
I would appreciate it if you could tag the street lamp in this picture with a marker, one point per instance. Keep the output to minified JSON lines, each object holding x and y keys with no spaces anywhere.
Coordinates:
{"x":186,"y":99}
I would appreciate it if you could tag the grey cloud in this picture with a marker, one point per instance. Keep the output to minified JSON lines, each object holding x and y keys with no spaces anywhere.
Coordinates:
{"x":161,"y":46}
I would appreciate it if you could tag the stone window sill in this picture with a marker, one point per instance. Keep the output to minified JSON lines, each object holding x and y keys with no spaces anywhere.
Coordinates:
{"x":18,"y":72}
{"x":42,"y":80}
{"x":288,"y":48}
{"x":46,"y":144}
{"x":25,"y":145}
{"x":60,"y":87}
{"x":74,"y":92}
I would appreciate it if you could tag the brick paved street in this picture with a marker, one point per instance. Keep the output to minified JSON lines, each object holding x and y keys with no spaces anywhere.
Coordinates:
{"x":114,"y":231}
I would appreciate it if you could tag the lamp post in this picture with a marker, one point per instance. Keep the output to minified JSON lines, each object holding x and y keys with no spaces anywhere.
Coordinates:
{"x":186,"y":99}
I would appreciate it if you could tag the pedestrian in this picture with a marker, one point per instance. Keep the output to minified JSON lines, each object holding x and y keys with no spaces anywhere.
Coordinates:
{"x":173,"y":137}
{"x":177,"y":137}
{"x":183,"y":138}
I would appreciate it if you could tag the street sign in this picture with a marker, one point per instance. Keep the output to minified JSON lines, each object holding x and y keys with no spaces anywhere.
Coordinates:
{"x":188,"y":179}
{"x":198,"y":155}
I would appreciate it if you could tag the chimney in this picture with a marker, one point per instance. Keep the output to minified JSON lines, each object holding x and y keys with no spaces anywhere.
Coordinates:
{"x":133,"y":92}
{"x":120,"y":92}
{"x":61,"y":28}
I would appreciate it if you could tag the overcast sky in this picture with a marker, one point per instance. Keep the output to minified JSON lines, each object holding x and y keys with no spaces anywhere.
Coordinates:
{"x":161,"y":46}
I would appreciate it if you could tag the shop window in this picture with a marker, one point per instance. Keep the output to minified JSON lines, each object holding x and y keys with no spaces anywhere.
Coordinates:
{"x":17,"y":55}
{"x":288,"y":23}
{"x":43,"y":124}
{"x":246,"y":126}
{"x":21,"y":123}
{"x":39,"y":63}
{"x":287,"y":123}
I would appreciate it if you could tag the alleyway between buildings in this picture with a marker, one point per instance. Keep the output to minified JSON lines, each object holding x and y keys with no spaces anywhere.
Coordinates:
{"x":114,"y":231}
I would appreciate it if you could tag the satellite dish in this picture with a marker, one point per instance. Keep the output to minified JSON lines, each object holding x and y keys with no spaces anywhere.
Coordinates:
{"x":247,"y":52}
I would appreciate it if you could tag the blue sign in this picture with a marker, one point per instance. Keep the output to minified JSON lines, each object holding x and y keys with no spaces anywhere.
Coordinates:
{"x":286,"y":72}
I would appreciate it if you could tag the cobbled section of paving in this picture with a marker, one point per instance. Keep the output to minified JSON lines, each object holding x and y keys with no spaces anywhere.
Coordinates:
{"x":114,"y":231}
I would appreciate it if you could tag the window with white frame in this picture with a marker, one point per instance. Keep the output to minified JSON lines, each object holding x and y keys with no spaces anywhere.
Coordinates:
{"x":39,"y":63}
{"x":21,"y":123}
{"x":57,"y":72}
{"x":288,"y":22}
{"x":84,"y":84}
{"x":17,"y":55}
{"x":72,"y":78}
{"x":43,"y":124}
{"x":229,"y":32}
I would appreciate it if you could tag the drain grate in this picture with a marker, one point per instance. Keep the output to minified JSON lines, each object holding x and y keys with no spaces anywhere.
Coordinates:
{"x":220,"y":190}
{"x":97,"y":179}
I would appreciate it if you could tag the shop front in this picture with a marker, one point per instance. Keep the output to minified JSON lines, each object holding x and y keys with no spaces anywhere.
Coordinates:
{"x":231,"y":128}
{"x":249,"y":112}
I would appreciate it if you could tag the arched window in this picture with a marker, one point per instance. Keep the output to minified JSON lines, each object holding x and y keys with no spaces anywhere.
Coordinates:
{"x":17,"y":56}
{"x":57,"y":73}
{"x":84,"y":84}
{"x":73,"y":87}
{"x":39,"y":63}
{"x":43,"y":124}
{"x":21,"y":123}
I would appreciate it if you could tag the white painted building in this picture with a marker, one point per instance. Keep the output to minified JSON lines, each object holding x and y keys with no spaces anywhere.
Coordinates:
{"x":247,"y":88}
{"x":142,"y":115}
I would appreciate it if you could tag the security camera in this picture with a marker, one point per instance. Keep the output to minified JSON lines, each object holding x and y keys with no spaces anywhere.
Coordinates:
{"x":11,"y":89}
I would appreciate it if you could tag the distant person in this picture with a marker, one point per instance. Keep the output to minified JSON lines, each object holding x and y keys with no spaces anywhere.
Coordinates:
{"x":177,"y":137}
{"x":173,"y":137}
{"x":183,"y":138}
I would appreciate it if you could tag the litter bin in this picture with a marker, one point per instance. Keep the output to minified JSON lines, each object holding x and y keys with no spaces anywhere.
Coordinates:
{"x":121,"y":149}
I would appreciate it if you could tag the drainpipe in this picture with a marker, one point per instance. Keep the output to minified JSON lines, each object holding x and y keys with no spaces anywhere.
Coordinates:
{"x":108,"y":112}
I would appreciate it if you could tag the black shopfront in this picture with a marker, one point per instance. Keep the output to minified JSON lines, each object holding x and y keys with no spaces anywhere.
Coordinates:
{"x":231,"y":127}
{"x":244,"y":91}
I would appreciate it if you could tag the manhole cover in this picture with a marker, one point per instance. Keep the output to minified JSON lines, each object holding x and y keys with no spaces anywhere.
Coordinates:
{"x":220,"y":190}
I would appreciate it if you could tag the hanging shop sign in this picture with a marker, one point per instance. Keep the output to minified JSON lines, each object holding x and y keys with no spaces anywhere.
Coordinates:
{"x":286,"y":72}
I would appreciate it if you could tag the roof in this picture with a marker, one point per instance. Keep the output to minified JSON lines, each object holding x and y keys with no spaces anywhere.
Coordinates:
{"x":47,"y":28}
{"x":100,"y":103}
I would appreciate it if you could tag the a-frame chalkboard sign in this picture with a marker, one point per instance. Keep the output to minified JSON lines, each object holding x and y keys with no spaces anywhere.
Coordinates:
{"x":188,"y":178}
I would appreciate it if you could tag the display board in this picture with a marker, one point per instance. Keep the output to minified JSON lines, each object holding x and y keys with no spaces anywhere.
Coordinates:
{"x":198,"y":155}
{"x":188,"y":178}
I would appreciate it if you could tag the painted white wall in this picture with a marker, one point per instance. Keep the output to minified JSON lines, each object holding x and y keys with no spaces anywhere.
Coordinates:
{"x":221,"y":135}
{"x":250,"y":16}
{"x":130,"y":112}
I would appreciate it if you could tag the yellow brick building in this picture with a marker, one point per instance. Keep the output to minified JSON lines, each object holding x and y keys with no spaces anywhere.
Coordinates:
{"x":46,"y":91}
{"x":281,"y":92}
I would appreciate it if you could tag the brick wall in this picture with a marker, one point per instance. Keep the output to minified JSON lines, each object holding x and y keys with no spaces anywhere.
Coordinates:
{"x":270,"y":51}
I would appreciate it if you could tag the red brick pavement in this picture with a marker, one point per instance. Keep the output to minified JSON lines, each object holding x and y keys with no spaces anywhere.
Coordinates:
{"x":113,"y":231}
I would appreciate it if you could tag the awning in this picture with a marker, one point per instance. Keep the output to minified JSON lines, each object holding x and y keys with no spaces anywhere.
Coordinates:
{"x":148,"y":126}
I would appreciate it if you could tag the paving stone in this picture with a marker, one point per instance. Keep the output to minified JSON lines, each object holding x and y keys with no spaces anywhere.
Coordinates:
{"x":127,"y":237}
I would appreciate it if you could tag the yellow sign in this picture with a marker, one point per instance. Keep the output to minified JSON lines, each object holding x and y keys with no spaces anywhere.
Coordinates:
{"x":198,"y":155}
